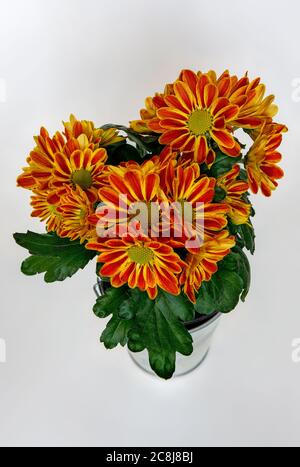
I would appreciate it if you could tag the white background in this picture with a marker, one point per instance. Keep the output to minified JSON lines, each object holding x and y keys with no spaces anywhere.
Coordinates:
{"x":100,"y":59}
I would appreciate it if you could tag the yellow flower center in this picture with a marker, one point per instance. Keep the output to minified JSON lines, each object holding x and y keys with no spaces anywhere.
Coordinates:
{"x":53,"y":210}
{"x":83,"y":178}
{"x":200,"y":122}
{"x":140,"y":254}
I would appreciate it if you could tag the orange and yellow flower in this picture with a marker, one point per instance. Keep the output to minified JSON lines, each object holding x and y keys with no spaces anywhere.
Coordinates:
{"x":82,"y":168}
{"x":160,"y":165}
{"x":75,"y":209}
{"x":234,"y":189}
{"x":88,"y":136}
{"x":141,"y":263}
{"x":262,"y":161}
{"x":198,"y":192}
{"x":255,"y":108}
{"x":268,"y":129}
{"x":125,"y":191}
{"x":41,"y":171}
{"x":249,"y":96}
{"x":38,"y":173}
{"x":147,"y":115}
{"x":202,"y":264}
{"x":45,"y":206}
{"x":148,"y":122}
{"x":195,"y":117}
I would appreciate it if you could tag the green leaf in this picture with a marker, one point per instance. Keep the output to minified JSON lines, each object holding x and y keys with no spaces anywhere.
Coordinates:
{"x":248,"y":236}
{"x":222,"y":293}
{"x":127,"y":310}
{"x":143,"y":306}
{"x":110,"y":302}
{"x":243,"y":268}
{"x":155,"y":325}
{"x":58,"y":258}
{"x":230,"y":284}
{"x":48,"y":244}
{"x":238,"y":262}
{"x":145,"y":145}
{"x":245,"y":235}
{"x":223,"y":164}
{"x":208,"y":298}
{"x":220,"y":194}
{"x":164,"y":336}
{"x":123,"y":153}
{"x":135,"y":343}
{"x":243,"y":175}
{"x":158,"y":329}
{"x":38,"y":264}
{"x":116,"y":333}
{"x":180,"y":305}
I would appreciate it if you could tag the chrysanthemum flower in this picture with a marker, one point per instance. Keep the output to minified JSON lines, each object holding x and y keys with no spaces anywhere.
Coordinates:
{"x":202,"y":264}
{"x":75,"y":209}
{"x":148,"y":121}
{"x":159,"y":165}
{"x":262,"y":160}
{"x":82,"y":168}
{"x":195,"y":117}
{"x":269,"y":129}
{"x":249,"y":96}
{"x":187,"y":187}
{"x":141,"y":263}
{"x":147,"y":114}
{"x":255,"y":108}
{"x":88,"y":136}
{"x":239,"y":210}
{"x":78,"y":137}
{"x":155,"y":164}
{"x":45,"y":206}
{"x":41,"y":161}
{"x":127,"y":188}
{"x":134,"y":184}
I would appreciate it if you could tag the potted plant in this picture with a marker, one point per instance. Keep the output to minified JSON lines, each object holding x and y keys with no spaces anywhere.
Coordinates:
{"x":164,"y":207}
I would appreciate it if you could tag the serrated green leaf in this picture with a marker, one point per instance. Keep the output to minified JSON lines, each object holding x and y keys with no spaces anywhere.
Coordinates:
{"x":244,"y":271}
{"x":230,"y":284}
{"x":110,"y":302}
{"x":174,"y":330}
{"x":222,"y":293}
{"x":38,"y":264}
{"x":248,"y":236}
{"x":208,"y":298}
{"x":146,"y":145}
{"x":238,"y":262}
{"x":116,"y":333}
{"x":58,"y":258}
{"x":141,"y":323}
{"x":245,"y":235}
{"x":48,"y":244}
{"x":180,"y":306}
{"x":164,"y":336}
{"x":127,"y":310}
{"x":158,"y":329}
{"x":232,"y":287}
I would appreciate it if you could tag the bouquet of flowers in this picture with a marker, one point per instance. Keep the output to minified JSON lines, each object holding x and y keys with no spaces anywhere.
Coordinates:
{"x":163,"y":205}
